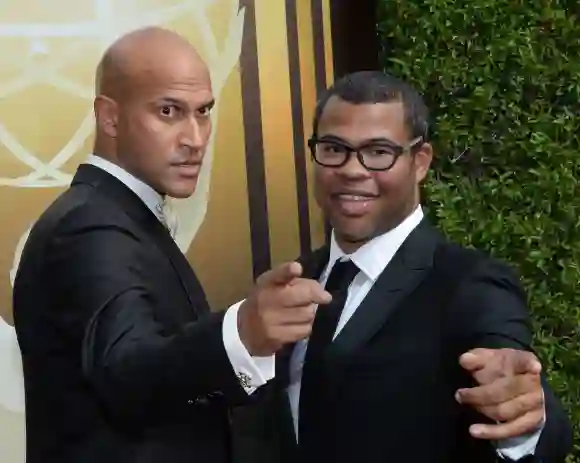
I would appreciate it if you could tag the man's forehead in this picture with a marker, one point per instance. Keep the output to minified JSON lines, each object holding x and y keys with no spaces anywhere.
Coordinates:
{"x":363,"y":121}
{"x":172,"y":82}
{"x":337,"y":108}
{"x":173,"y":67}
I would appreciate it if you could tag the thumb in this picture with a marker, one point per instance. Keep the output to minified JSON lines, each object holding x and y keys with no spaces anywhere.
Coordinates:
{"x":283,"y":274}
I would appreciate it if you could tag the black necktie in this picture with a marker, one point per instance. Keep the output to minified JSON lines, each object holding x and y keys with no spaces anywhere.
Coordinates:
{"x":323,"y":328}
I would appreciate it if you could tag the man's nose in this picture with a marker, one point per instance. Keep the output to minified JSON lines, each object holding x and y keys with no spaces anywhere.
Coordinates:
{"x":193,"y":134}
{"x":353,"y":168}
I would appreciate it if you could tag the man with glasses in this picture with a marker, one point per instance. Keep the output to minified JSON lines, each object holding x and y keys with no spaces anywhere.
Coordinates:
{"x":424,"y":353}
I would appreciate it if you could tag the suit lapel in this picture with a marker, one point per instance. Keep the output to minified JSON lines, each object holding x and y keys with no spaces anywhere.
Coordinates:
{"x":186,"y":275}
{"x":133,"y":206}
{"x":405,"y":272}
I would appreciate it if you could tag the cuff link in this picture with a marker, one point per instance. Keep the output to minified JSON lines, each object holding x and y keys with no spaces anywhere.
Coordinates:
{"x":245,"y":380}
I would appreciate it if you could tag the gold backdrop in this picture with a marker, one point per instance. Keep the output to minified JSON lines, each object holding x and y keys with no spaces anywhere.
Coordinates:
{"x":253,"y":207}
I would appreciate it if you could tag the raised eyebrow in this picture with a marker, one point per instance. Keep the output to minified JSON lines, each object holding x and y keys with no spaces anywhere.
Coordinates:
{"x":171,"y":101}
{"x":209,"y":105}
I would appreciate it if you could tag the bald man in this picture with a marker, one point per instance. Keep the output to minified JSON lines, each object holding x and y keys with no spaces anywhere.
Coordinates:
{"x":123,"y":361}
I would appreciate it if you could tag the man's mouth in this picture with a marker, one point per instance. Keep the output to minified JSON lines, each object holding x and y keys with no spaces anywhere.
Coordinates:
{"x":354,"y":197}
{"x":189,"y":169}
{"x":353,"y":204}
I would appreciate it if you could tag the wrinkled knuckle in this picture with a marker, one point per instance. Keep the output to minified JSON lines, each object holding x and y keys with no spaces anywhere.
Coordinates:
{"x":503,"y":413}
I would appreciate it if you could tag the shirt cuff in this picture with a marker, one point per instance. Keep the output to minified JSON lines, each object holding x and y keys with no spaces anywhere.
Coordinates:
{"x":518,"y":447}
{"x":252,"y":372}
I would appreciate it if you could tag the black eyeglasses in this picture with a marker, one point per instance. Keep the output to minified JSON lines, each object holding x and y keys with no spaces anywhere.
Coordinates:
{"x":373,"y":156}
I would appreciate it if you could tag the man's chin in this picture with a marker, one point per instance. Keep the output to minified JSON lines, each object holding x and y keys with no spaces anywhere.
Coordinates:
{"x":352,"y":235}
{"x":181,"y":192}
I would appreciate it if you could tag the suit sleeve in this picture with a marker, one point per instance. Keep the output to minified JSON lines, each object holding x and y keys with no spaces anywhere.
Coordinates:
{"x":134,"y":364}
{"x":490,"y":310}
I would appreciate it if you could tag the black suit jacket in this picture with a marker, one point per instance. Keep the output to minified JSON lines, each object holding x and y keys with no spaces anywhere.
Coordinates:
{"x":392,"y":372}
{"x":123,"y":361}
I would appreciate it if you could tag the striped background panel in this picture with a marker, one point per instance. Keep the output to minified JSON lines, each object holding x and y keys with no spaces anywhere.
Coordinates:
{"x":286,"y":61}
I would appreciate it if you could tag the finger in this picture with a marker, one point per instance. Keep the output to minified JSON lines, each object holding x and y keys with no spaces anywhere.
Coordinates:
{"x":506,"y":363}
{"x":281,"y":275}
{"x":499,"y":391}
{"x":486,"y":365}
{"x":320,"y":296}
{"x":296,"y":315}
{"x":522,"y":425}
{"x":303,"y":292}
{"x":485,"y":368}
{"x":285,"y":334}
{"x":476,"y":359}
{"x":493,"y":372}
{"x":523,"y":362}
{"x":513,"y":409}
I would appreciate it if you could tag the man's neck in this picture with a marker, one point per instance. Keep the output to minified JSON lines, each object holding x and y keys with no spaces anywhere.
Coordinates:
{"x":350,"y":246}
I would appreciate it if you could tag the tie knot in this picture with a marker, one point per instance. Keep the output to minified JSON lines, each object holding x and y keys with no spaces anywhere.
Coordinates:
{"x":341,"y":276}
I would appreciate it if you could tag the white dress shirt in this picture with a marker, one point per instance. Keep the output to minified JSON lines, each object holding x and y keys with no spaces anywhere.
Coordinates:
{"x":252,"y":372}
{"x":372,"y":259}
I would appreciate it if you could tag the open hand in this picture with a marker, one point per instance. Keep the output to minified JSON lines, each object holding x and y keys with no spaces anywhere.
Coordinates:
{"x":509,"y":392}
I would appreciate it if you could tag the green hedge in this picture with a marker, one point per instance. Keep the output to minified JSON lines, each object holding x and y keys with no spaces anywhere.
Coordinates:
{"x":502,"y":78}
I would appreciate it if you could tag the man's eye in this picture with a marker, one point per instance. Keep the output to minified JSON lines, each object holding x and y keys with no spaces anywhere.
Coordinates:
{"x":333,"y":148}
{"x":205,"y":111}
{"x":169,"y":110}
{"x":378,"y":151}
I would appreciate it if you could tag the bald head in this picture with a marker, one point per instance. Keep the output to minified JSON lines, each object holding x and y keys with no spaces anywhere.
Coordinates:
{"x":152,"y":108}
{"x":143,"y":55}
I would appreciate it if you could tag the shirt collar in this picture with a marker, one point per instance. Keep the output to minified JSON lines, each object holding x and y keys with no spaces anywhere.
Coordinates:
{"x":153,"y":200}
{"x":374,"y":256}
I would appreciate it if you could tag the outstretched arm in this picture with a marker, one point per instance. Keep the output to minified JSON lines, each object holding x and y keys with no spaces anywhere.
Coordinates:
{"x":490,"y":312}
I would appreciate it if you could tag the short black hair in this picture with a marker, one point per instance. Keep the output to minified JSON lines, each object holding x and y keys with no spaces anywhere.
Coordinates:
{"x":366,"y":87}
